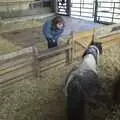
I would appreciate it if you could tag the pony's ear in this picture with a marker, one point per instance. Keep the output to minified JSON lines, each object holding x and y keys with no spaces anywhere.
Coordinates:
{"x":85,"y":52}
{"x":99,"y":46}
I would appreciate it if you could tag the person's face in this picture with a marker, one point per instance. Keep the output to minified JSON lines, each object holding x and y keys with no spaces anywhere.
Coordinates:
{"x":59,"y":25}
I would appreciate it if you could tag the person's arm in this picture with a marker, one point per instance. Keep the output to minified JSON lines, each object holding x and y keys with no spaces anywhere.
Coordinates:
{"x":47,"y":30}
{"x":58,"y":35}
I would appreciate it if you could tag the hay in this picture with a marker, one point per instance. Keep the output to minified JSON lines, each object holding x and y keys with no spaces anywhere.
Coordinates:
{"x":6,"y":46}
{"x":109,"y":69}
{"x":44,"y":98}
{"x":110,"y":61}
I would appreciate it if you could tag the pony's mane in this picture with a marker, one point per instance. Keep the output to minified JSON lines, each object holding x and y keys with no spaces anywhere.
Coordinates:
{"x":96,"y":45}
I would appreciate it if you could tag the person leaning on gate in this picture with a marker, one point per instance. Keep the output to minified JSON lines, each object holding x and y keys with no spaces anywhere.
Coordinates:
{"x":52,"y":30}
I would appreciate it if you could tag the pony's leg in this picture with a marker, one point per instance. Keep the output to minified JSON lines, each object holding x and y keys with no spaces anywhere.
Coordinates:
{"x":76,"y":109}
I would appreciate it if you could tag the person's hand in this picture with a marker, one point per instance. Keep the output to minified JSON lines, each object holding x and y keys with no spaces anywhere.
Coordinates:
{"x":53,"y":40}
{"x":61,"y":39}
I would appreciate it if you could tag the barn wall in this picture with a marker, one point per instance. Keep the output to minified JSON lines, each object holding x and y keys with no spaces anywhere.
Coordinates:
{"x":16,"y":8}
{"x":13,"y":5}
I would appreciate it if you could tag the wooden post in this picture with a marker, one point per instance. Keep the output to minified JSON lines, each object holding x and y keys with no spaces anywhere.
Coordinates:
{"x":67,"y":56}
{"x":69,"y":52}
{"x":72,"y":48}
{"x":73,"y":45}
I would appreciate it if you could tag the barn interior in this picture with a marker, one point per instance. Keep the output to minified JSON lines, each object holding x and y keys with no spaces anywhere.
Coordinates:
{"x":32,"y":77}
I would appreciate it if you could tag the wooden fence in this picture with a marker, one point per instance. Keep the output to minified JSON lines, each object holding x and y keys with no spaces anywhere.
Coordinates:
{"x":82,"y":40}
{"x":30,"y":62}
{"x":16,"y":65}
{"x":51,"y":58}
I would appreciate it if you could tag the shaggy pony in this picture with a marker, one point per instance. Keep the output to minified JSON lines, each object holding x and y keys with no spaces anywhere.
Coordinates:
{"x":82,"y":84}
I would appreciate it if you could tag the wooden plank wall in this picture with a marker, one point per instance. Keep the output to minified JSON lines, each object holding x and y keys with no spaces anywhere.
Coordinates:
{"x":51,"y":58}
{"x":110,"y":40}
{"x":16,"y":65}
{"x":30,"y":62}
{"x":83,"y":39}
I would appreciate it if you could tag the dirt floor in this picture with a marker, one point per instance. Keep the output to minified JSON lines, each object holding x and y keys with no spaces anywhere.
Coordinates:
{"x":25,"y":38}
{"x":19,"y":39}
{"x":43,"y":98}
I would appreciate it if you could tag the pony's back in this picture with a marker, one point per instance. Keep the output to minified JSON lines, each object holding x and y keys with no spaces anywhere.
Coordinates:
{"x":81,"y":90}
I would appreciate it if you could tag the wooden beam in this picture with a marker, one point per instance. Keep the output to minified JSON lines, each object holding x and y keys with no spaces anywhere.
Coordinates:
{"x":15,"y":68}
{"x":16,"y":54}
{"x":53,"y":51}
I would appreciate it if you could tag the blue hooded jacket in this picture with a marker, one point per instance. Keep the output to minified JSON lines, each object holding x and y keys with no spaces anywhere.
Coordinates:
{"x":50,"y":32}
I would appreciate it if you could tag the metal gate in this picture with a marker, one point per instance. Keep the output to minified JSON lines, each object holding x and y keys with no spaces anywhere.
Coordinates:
{"x":97,"y":11}
{"x":82,"y":9}
{"x":63,"y":7}
{"x":108,"y":12}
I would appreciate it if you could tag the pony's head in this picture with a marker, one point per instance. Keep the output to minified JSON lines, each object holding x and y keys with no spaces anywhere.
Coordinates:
{"x":95,"y":48}
{"x":99,"y":46}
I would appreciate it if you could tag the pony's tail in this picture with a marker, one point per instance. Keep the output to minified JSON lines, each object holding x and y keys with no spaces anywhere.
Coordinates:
{"x":76,"y":107}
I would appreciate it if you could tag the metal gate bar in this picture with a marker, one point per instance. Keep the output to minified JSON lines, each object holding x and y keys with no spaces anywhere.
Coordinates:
{"x":96,"y":10}
{"x":63,"y":7}
{"x":113,"y":15}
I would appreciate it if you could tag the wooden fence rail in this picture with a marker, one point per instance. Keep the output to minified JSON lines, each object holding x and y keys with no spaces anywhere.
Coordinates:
{"x":16,"y":65}
{"x":30,"y":62}
{"x":83,"y":39}
{"x":53,"y":57}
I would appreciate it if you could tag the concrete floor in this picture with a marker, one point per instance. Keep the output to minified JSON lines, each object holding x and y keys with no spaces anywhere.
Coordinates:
{"x":78,"y":25}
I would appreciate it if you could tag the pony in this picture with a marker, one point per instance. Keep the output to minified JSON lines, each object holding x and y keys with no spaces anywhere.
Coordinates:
{"x":83,"y":84}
